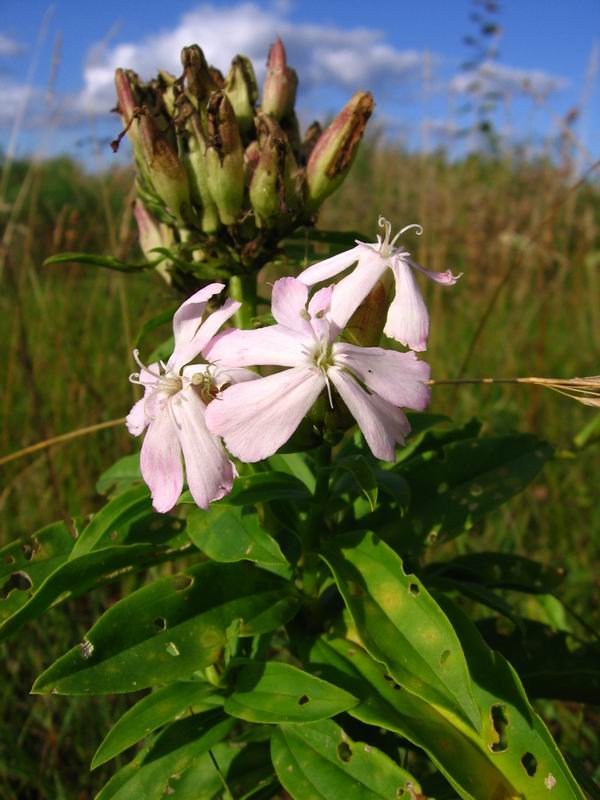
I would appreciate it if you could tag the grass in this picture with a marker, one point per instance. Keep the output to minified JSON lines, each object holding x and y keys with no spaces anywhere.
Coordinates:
{"x":67,"y":334}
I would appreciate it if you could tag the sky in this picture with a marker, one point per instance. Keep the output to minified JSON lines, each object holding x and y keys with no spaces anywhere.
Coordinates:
{"x":57,"y":64}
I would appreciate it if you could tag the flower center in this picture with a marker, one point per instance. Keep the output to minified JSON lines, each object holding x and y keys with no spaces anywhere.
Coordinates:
{"x":386,"y":246}
{"x":166,"y":380}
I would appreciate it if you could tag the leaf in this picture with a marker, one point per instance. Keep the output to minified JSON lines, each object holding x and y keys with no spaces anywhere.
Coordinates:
{"x":27,"y":562}
{"x":171,"y":628}
{"x":152,"y":712}
{"x":589,"y":434}
{"x":170,"y":754}
{"x":395,"y":486}
{"x":74,"y":575}
{"x":432,"y":432}
{"x":153,"y":323}
{"x":109,"y":262}
{"x":549,"y":663}
{"x":294,"y":464}
{"x":363,"y":475}
{"x":500,"y":571}
{"x":272,"y":691}
{"x":224,"y":533}
{"x":400,"y":623}
{"x":319,"y":761}
{"x":120,"y":476}
{"x":476,"y":766}
{"x":454,"y":487}
{"x":262,"y":487}
{"x":111,"y":524}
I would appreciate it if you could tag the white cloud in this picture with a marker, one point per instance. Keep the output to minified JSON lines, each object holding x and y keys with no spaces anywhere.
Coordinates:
{"x":322,"y":55}
{"x":8,"y":46}
{"x":493,"y":77}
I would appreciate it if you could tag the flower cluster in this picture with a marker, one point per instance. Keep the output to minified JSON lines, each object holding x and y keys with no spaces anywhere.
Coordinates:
{"x":217,"y":404}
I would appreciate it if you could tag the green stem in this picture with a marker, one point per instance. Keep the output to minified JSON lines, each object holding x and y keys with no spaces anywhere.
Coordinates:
{"x":314,"y":524}
{"x":243,"y":289}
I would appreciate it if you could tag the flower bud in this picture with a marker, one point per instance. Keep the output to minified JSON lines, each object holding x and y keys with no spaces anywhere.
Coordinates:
{"x":242,"y":92}
{"x":281,"y":83}
{"x":165,"y":170}
{"x":152,"y":234}
{"x":129,"y":101}
{"x":197,"y":78}
{"x":195,"y":163}
{"x":310,"y":138}
{"x":224,"y":158}
{"x":334,"y":152}
{"x":272,"y":187}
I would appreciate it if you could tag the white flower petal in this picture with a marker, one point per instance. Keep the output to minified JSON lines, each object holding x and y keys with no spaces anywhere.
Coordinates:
{"x":407,"y":319}
{"x":160,"y":461}
{"x":270,"y":346}
{"x":255,"y":419}
{"x":136,"y":419}
{"x":323,"y":270}
{"x":186,"y":320}
{"x":396,"y":377}
{"x":288,"y":304}
{"x":350,"y":292}
{"x":381,"y":423}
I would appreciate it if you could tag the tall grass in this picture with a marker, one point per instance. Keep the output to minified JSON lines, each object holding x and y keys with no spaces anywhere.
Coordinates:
{"x":67,"y":334}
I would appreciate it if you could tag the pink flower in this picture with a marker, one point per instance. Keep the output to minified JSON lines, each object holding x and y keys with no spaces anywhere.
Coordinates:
{"x":173,"y":409}
{"x":407,"y":318}
{"x":256,"y":419}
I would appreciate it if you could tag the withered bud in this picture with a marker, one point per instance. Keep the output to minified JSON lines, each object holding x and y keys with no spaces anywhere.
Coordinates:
{"x":242,"y":92}
{"x":310,"y":138}
{"x":197,"y":78}
{"x":273,"y":191}
{"x":281,"y":83}
{"x":217,"y":76}
{"x":225,"y":158}
{"x":334,"y":152}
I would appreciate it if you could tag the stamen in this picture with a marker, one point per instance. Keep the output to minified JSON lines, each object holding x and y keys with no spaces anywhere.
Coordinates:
{"x":328,"y":385}
{"x":136,"y":358}
{"x":418,"y":228}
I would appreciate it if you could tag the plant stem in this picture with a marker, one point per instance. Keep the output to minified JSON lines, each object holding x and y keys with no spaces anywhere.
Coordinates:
{"x":314,"y":524}
{"x":243,"y":289}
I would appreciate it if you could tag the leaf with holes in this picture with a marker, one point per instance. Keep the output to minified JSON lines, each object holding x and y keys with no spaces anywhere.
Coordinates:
{"x":225,"y":533}
{"x":120,"y":476}
{"x":549,"y":663}
{"x":76,"y":575}
{"x":27,"y":562}
{"x":475,"y":766}
{"x":454,"y":487}
{"x":173,"y":751}
{"x":154,"y":711}
{"x":171,"y":628}
{"x":276,"y":692}
{"x":401,"y":624}
{"x":499,"y":571}
{"x":319,"y":761}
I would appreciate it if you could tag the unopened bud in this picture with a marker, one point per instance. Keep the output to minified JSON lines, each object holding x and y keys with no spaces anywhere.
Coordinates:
{"x":310,"y":138}
{"x":152,"y":234}
{"x":129,"y":102}
{"x":217,"y":76}
{"x":198,"y":81}
{"x":281,"y":83}
{"x":242,"y":92}
{"x":334,"y":152}
{"x":224,"y":158}
{"x":195,"y":163}
{"x":272,"y":187}
{"x":164,"y":169}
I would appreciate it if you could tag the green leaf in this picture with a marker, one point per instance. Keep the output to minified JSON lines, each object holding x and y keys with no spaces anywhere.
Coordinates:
{"x":454,"y":487}
{"x":319,"y":761}
{"x":262,"y":487}
{"x":109,"y":262}
{"x":225,"y":533}
{"x":589,"y":434}
{"x":73,"y":576}
{"x":363,"y":475}
{"x":27,"y":562}
{"x":171,"y":628}
{"x":120,"y":476}
{"x":155,"y":322}
{"x":112,"y":523}
{"x":548,"y":661}
{"x":500,"y":571}
{"x":432,"y":432}
{"x":476,"y":766}
{"x":395,"y":487}
{"x":294,"y":464}
{"x":400,"y":623}
{"x":153,"y":776}
{"x":152,"y":712}
{"x":275,"y":692}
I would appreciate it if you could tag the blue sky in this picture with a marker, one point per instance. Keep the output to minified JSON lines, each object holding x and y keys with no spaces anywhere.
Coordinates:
{"x":409,"y":54}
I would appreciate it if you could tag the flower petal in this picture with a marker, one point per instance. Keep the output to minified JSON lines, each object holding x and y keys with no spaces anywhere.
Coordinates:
{"x":270,"y":346}
{"x":318,"y":307}
{"x":445,"y":278}
{"x":209,"y":472}
{"x":288,"y":304}
{"x":136,"y":419}
{"x":349,"y":293}
{"x":160,"y":461}
{"x":396,"y":377}
{"x":256,"y":418}
{"x":381,"y":423}
{"x":187,"y":317}
{"x":206,"y":332}
{"x":407,"y":319}
{"x":323,"y":270}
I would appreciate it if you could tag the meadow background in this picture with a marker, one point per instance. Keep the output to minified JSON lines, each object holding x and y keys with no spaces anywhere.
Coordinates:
{"x":524,"y":227}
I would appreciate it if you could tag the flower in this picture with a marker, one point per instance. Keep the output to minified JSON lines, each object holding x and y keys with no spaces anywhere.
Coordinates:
{"x":407,"y":318}
{"x":256,"y":419}
{"x":173,"y":410}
